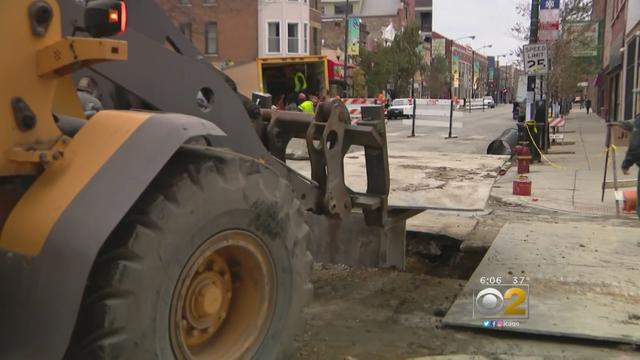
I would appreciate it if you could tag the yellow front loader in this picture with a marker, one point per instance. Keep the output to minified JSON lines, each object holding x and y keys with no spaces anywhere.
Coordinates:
{"x":146,"y":210}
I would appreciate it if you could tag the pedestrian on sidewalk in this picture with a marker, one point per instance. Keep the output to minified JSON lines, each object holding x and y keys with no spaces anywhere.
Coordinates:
{"x":587,"y":104}
{"x":633,"y":152}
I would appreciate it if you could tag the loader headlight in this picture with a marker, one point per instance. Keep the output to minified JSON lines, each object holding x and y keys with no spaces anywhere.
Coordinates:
{"x":105,"y":17}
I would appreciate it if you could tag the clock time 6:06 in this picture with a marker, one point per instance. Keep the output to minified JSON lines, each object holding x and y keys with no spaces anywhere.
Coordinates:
{"x":491,"y":280}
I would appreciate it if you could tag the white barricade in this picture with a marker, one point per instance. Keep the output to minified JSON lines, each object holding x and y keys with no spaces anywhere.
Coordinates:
{"x":435,"y":113}
{"x":476,"y":104}
{"x":435,"y":107}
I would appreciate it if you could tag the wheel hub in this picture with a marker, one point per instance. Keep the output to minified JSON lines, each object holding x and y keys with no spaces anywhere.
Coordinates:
{"x":207,"y":300}
{"x":224,"y":298}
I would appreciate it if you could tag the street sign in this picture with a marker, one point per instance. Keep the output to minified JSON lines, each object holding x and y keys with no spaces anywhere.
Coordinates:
{"x":536,"y":60}
{"x":549,"y":25}
{"x":549,"y":4}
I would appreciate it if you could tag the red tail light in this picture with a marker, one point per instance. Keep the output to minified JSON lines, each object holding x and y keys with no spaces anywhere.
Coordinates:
{"x":105,"y":17}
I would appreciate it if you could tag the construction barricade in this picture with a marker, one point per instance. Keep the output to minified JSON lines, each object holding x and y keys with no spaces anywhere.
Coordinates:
{"x":354,"y":105}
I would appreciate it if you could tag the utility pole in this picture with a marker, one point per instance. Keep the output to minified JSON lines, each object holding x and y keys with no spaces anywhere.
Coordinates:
{"x":531,"y":82}
{"x":346,"y":46}
{"x":473,"y":75}
{"x":533,"y":38}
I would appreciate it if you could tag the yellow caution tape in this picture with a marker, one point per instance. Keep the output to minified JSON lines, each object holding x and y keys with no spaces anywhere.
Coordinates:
{"x":613,"y":148}
{"x":543,"y":156}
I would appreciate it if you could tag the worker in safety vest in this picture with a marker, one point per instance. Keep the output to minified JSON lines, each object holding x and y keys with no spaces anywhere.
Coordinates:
{"x":300,"y":82}
{"x":305,"y":105}
{"x":633,"y":152}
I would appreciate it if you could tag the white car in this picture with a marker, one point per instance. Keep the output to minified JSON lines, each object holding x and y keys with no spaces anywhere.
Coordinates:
{"x":488,"y":102}
{"x":400,"y":108}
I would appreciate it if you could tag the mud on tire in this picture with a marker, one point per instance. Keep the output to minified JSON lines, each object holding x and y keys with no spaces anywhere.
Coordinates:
{"x":126,"y":309}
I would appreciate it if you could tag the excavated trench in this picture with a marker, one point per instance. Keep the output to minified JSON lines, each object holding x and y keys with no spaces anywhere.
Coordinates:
{"x":440,"y":256}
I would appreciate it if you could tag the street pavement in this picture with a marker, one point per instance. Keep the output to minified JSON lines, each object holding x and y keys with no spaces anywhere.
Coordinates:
{"x":478,"y":130}
{"x":433,"y":172}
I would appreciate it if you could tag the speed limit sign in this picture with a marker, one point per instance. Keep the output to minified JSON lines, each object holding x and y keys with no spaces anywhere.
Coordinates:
{"x":536,"y":60}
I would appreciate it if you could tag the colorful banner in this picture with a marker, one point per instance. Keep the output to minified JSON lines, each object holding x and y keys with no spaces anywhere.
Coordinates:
{"x":476,"y":74}
{"x":455,"y":70}
{"x":354,"y":36}
{"x":491,"y":68}
{"x":549,"y":25}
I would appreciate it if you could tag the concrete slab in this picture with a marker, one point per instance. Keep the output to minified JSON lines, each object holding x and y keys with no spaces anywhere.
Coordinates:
{"x":428,"y":179}
{"x":583,"y":280}
{"x":454,"y":226}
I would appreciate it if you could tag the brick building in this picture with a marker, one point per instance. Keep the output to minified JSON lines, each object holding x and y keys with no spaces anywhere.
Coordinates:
{"x":609,"y":81}
{"x":375,"y":16}
{"x":315,"y":20}
{"x":507,"y":83}
{"x":615,"y":90}
{"x":232,"y":34}
{"x":631,"y":62}
{"x":460,"y":57}
{"x":225,"y":31}
{"x":424,"y":20}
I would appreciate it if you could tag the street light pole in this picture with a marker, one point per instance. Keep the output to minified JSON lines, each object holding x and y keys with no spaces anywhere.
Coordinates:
{"x":346,"y":46}
{"x":498,"y":93}
{"x":498,"y":98}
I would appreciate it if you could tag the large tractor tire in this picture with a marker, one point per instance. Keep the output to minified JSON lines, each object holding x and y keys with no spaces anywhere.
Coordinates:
{"x":210,"y":263}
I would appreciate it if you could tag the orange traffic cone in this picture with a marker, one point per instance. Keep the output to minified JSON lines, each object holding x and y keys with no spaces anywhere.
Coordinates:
{"x":630,"y":203}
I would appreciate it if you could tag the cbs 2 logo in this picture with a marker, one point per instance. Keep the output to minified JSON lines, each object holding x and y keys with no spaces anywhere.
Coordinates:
{"x":491,"y":302}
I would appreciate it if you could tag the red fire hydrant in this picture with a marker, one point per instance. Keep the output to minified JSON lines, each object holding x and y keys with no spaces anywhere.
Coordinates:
{"x":523,"y":156}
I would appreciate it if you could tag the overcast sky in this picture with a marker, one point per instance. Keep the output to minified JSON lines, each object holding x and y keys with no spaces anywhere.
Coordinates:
{"x":489,"y":20}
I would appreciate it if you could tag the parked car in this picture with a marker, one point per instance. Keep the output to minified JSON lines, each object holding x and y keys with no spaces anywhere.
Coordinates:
{"x":488,"y":102}
{"x":399,"y":109}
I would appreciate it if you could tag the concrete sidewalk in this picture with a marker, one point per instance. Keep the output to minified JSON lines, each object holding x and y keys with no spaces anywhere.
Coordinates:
{"x":572,"y":180}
